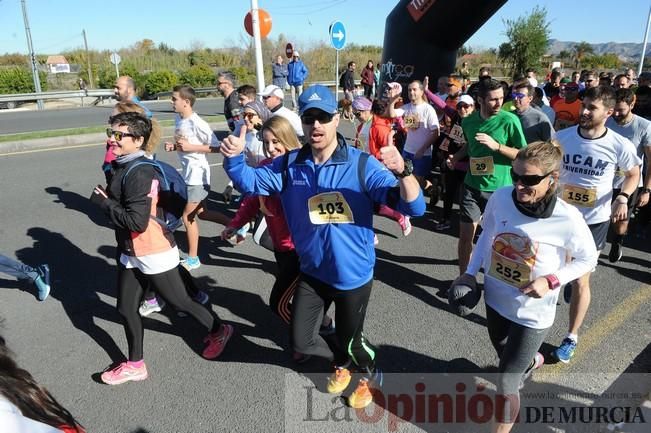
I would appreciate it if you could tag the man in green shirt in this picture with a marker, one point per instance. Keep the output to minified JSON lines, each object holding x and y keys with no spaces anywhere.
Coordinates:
{"x":494,"y":138}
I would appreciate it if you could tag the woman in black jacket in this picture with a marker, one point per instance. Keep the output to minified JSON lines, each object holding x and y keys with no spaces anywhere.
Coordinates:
{"x":148,"y":251}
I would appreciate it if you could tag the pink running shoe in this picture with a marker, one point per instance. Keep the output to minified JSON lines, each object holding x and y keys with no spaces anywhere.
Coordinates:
{"x":124,"y":373}
{"x":217,"y":341}
{"x":405,"y":225}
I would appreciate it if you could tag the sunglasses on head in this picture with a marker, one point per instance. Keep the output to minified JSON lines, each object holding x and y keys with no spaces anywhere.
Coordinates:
{"x":118,"y":134}
{"x":527,"y":179}
{"x":321,"y":116}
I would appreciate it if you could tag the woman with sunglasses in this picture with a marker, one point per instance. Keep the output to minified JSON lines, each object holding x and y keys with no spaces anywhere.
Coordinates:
{"x":528,"y":234}
{"x":254,"y":114}
{"x":148,"y":252}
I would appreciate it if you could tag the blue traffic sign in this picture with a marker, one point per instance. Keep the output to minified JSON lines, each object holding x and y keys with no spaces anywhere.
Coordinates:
{"x":337,"y":35}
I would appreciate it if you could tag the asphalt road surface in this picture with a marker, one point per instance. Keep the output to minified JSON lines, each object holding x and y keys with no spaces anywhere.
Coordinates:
{"x":67,"y":340}
{"x":14,"y":122}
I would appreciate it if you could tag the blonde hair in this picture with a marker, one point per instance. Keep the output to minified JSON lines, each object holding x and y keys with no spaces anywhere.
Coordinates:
{"x":546,"y":155}
{"x":155,"y":137}
{"x":283,"y":131}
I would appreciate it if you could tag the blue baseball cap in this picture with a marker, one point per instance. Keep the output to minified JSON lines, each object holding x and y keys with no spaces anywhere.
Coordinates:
{"x":317,"y":96}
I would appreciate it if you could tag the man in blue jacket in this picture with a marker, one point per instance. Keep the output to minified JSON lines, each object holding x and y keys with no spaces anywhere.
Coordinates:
{"x":328,"y":190}
{"x":296,"y":75}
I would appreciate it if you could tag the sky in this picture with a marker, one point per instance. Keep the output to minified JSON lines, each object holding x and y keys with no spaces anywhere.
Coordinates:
{"x":57,"y":25}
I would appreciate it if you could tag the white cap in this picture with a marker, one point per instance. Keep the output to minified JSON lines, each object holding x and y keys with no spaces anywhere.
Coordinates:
{"x":272,"y":90}
{"x":466,"y":99}
{"x":296,"y":54}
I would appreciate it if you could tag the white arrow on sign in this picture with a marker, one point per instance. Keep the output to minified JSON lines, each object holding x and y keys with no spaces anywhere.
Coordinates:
{"x":339,"y":35}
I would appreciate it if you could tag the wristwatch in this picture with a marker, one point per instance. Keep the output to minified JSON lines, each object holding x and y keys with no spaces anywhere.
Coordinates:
{"x":623,"y":194}
{"x":409,"y":169}
{"x":552,"y":281}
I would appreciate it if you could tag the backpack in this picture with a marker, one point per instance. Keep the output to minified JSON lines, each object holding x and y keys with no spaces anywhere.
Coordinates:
{"x":172,"y":193}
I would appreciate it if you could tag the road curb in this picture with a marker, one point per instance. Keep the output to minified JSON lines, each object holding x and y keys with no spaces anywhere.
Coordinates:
{"x":98,"y":138}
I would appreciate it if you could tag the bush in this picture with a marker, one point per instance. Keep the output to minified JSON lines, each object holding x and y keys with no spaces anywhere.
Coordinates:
{"x":198,"y":76}
{"x":19,"y":80}
{"x":160,"y":81}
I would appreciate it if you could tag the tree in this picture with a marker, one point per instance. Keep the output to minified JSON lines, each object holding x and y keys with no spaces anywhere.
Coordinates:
{"x":564,"y":54}
{"x":528,"y":39}
{"x":581,"y":50}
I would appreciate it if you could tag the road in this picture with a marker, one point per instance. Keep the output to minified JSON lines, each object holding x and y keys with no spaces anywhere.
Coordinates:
{"x":67,"y":340}
{"x":14,"y":122}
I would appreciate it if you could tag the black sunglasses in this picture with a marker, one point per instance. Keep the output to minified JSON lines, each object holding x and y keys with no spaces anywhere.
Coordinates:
{"x":321,"y":116}
{"x":118,"y":134}
{"x":356,"y":113}
{"x":527,"y":179}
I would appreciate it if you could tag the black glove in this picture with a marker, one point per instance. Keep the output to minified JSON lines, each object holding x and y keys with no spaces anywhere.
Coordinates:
{"x":98,"y":196}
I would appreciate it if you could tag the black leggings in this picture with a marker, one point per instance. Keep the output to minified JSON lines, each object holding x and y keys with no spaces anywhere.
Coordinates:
{"x":516,"y":346}
{"x":188,"y":281}
{"x":453,"y":182}
{"x":285,"y":285}
{"x":368,"y":90}
{"x":310,"y":299}
{"x":131,"y":284}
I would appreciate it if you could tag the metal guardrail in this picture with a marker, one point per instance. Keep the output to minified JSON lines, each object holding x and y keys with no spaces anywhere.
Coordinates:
{"x":93,"y":93}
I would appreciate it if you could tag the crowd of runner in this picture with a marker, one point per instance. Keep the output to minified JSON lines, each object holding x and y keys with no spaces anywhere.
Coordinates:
{"x":545,"y":169}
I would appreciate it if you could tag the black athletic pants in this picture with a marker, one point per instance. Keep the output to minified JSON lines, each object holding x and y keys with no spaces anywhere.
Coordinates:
{"x":131,"y":284}
{"x":310,"y":299}
{"x":285,"y":285}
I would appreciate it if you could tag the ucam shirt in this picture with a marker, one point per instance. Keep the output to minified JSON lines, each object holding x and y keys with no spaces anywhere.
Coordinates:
{"x":420,"y":121}
{"x":588,"y":170}
{"x":194,"y":165}
{"x":638,"y":130}
{"x":515,"y":249}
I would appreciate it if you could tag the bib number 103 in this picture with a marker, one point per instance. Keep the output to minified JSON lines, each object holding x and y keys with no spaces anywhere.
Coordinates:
{"x":331,"y":208}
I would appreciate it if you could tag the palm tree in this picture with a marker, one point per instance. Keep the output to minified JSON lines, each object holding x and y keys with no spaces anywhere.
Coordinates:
{"x":580,"y":51}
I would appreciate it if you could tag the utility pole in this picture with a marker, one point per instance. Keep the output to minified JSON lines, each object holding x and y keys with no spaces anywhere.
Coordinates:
{"x":90,"y":71}
{"x":255,"y":21}
{"x":646,"y":38}
{"x":32,"y":56}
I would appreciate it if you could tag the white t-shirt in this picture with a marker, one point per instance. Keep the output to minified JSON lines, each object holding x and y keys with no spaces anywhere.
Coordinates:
{"x":292,"y":117}
{"x":515,"y":249}
{"x":194,"y":165}
{"x":253,"y":149}
{"x":420,"y":121}
{"x":13,"y":421}
{"x":588,"y":169}
{"x":638,"y":130}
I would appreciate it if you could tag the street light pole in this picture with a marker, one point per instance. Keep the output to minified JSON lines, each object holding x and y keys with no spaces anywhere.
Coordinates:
{"x":646,"y":38}
{"x":255,"y":21}
{"x":32,"y":56}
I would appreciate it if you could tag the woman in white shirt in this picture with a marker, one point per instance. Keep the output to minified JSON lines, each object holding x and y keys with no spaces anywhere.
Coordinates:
{"x":528,"y":235}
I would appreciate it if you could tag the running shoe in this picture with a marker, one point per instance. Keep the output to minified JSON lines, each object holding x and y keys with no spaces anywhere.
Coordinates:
{"x":149,"y":306}
{"x":42,"y":282}
{"x":363,"y":394}
{"x":329,"y":329}
{"x":565,"y":351}
{"x":191,"y":263}
{"x":124,"y":373}
{"x":538,"y":361}
{"x":339,"y":380}
{"x":615,"y":253}
{"x":216,"y":342}
{"x":445,"y":225}
{"x":405,"y":225}
{"x":201,"y":297}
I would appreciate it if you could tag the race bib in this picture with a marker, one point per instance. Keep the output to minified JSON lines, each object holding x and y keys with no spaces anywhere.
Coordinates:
{"x":445,"y":144}
{"x":481,"y":166}
{"x":584,"y":197}
{"x":456,"y":133}
{"x":330,"y":208}
{"x":619,"y":172}
{"x":411,"y":120}
{"x":509,"y":271}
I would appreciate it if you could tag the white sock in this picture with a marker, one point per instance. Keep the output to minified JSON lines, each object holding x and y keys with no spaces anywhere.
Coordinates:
{"x":573,"y":337}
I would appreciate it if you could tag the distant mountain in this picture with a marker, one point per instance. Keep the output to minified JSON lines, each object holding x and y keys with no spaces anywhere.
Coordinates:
{"x":627,"y":51}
